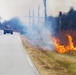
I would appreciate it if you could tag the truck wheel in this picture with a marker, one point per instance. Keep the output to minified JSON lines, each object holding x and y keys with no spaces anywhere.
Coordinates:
{"x":4,"y":32}
{"x":11,"y":32}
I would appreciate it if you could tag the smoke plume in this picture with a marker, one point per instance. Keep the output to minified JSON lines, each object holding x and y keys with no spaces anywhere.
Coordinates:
{"x":39,"y":37}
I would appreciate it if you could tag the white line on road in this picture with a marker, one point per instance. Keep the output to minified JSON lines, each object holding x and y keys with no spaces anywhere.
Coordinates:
{"x":29,"y":62}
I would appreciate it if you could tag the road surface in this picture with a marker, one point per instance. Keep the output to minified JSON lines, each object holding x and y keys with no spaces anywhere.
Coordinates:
{"x":13,"y":58}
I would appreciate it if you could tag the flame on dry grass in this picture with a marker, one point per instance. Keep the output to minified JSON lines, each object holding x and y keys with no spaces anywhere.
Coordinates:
{"x":64,"y":48}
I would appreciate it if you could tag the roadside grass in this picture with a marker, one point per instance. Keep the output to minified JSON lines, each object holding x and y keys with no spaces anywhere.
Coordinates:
{"x":51,"y":63}
{"x":65,"y":60}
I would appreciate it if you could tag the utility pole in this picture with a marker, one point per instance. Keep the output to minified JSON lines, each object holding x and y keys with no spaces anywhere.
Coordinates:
{"x":45,"y":13}
{"x":38,"y":15}
{"x":33,"y":17}
{"x":29,"y":18}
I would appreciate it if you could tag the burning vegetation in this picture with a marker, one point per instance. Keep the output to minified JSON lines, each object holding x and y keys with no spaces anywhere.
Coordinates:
{"x":64,"y":48}
{"x":51,"y":63}
{"x":39,"y":46}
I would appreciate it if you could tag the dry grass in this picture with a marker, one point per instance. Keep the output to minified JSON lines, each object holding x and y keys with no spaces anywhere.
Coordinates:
{"x":51,"y":63}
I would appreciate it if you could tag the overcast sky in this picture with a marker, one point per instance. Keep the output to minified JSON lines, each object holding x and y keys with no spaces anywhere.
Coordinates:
{"x":12,"y":8}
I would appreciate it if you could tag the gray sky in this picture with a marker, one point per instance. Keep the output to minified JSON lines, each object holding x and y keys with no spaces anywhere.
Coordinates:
{"x":12,"y":8}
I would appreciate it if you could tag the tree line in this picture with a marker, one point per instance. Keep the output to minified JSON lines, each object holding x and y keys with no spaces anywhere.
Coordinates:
{"x":64,"y":21}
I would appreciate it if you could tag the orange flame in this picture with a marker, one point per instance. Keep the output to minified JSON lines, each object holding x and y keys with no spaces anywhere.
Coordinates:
{"x":62,"y":48}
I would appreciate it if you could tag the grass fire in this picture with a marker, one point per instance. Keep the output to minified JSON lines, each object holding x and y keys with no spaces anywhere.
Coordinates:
{"x":53,"y":63}
{"x":52,"y":44}
{"x":64,"y":48}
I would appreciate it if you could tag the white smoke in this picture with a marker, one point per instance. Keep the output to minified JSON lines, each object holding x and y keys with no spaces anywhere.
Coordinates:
{"x":39,"y":37}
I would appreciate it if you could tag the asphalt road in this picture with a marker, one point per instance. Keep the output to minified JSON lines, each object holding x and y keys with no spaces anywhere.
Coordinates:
{"x":13,"y":58}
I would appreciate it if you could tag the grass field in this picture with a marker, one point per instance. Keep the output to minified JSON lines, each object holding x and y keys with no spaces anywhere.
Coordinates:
{"x":51,"y":63}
